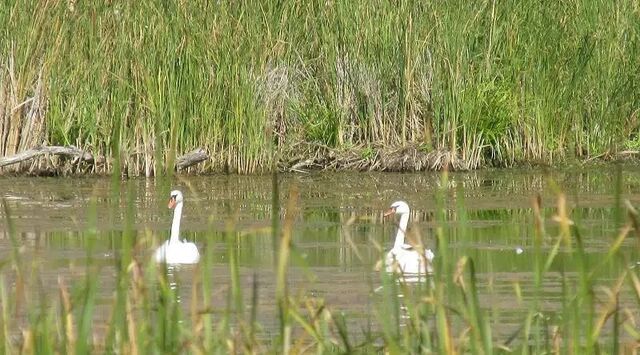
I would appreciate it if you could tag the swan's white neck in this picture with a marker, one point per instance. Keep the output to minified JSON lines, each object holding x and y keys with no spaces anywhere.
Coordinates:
{"x":402,"y":228}
{"x":175,"y":226}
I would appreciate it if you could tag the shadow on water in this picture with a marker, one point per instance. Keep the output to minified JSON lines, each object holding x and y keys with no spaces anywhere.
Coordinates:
{"x":486,"y":216}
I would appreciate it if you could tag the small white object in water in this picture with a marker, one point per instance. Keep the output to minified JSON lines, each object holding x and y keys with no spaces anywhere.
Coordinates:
{"x":519,"y":250}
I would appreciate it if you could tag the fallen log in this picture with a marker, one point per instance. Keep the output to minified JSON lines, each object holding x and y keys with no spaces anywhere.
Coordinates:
{"x":68,"y":151}
{"x":192,"y":158}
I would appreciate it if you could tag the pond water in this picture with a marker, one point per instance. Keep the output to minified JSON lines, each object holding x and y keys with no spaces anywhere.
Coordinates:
{"x":487,"y":216}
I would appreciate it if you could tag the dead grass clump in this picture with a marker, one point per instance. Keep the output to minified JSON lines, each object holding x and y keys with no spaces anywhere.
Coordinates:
{"x":22,"y":117}
{"x":411,"y":157}
{"x":276,"y":89}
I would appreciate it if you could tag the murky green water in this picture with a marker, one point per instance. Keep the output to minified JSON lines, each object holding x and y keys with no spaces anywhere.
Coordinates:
{"x":487,"y":217}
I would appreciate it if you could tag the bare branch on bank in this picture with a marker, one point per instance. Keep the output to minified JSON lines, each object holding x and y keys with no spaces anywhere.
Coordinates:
{"x":192,"y":158}
{"x":68,"y":151}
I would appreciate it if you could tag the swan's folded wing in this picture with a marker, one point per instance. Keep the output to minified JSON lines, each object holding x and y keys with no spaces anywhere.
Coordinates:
{"x":428,"y":253}
{"x":407,"y":247}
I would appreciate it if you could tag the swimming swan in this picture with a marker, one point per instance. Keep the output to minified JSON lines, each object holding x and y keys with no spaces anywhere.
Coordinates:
{"x":175,"y":251}
{"x":403,"y":257}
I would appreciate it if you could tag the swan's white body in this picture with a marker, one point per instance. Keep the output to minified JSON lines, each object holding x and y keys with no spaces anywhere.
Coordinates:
{"x":404,"y":258}
{"x":175,"y":251}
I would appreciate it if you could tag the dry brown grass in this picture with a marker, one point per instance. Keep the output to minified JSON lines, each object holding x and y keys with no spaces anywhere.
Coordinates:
{"x":23,"y":112}
{"x":411,"y":157}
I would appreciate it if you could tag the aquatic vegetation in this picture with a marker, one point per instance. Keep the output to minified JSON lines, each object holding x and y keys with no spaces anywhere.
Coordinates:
{"x":333,"y":84}
{"x":151,"y":313}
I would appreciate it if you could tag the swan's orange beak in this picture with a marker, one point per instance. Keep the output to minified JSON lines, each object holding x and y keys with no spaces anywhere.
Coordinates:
{"x":389,"y":212}
{"x":172,"y":202}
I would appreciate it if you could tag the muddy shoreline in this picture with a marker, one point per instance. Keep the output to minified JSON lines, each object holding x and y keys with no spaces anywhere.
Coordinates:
{"x":408,"y":158}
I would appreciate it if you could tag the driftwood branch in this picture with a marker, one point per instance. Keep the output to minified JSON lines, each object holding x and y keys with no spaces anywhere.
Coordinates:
{"x":193,"y":157}
{"x":69,"y":151}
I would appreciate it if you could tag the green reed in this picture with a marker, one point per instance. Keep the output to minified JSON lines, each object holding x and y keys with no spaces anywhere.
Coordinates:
{"x":445,"y":314}
{"x":495,"y":82}
{"x":448,"y":313}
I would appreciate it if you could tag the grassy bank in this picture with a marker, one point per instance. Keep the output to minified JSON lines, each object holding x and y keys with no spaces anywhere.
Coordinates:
{"x":391,"y":85}
{"x":148,"y":313}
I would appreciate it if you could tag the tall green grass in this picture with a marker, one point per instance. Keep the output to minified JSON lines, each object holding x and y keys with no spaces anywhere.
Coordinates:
{"x":490,"y":82}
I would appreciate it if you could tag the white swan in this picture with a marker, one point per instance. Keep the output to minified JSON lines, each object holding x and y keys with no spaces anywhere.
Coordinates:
{"x":175,"y":251}
{"x":402,"y":257}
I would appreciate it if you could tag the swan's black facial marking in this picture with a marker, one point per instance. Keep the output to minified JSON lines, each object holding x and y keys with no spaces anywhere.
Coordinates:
{"x":390,"y":211}
{"x":172,"y":201}
{"x":399,"y":207}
